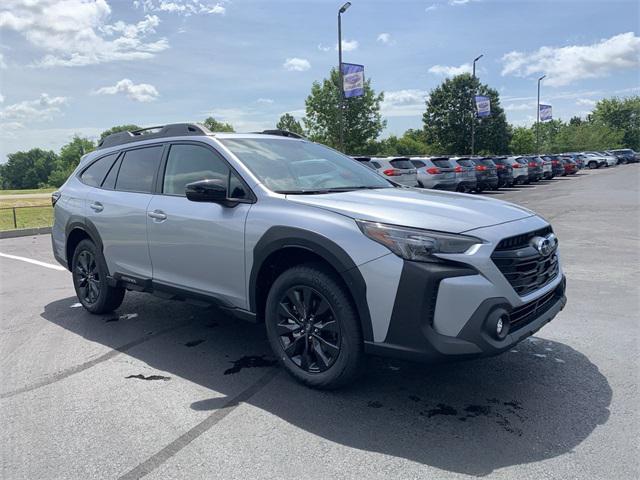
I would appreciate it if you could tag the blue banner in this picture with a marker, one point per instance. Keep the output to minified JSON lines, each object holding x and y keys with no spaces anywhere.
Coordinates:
{"x":545,"y":113}
{"x":483,"y":106}
{"x":352,"y":80}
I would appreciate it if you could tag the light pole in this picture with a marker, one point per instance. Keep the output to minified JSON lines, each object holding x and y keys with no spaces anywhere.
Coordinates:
{"x":538,"y":118}
{"x":343,"y":9}
{"x":473,"y":107}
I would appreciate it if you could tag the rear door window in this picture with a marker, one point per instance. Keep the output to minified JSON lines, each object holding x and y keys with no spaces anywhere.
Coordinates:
{"x":375,"y":164}
{"x":138,"y":169}
{"x":401,"y":163}
{"x":94,"y":175}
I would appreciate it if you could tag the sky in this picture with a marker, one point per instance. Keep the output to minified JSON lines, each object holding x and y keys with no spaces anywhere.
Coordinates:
{"x":81,"y":66}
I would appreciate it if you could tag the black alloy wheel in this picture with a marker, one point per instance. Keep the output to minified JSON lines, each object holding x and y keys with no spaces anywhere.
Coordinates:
{"x":87,"y":277}
{"x":307,"y":329}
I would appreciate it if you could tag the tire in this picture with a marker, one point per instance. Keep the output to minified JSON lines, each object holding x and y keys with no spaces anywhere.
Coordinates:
{"x":326,"y":353}
{"x":592,"y":165}
{"x":89,"y":271}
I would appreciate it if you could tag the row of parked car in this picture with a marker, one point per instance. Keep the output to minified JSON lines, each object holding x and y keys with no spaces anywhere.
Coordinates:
{"x":476,"y":174}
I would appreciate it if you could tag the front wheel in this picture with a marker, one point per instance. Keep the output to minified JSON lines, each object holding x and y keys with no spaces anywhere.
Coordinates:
{"x":592,"y":165}
{"x":313,"y":327}
{"x":90,"y":280}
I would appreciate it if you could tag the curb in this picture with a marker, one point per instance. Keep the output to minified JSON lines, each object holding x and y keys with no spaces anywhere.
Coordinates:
{"x":25,"y":232}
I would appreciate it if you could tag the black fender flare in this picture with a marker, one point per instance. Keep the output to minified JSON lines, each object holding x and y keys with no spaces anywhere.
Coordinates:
{"x":280,"y":237}
{"x":77,"y":222}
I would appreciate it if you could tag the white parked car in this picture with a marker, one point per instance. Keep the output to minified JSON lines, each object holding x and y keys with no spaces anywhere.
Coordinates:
{"x":594,"y":160}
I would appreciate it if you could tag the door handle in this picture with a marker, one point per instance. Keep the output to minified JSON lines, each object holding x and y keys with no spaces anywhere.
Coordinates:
{"x":96,"y":206}
{"x":157,"y":215}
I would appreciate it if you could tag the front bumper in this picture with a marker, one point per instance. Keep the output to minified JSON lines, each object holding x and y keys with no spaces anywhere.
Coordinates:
{"x":446,"y":311}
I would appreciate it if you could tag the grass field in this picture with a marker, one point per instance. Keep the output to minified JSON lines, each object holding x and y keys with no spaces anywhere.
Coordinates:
{"x":29,"y":211}
{"x":26,"y":192}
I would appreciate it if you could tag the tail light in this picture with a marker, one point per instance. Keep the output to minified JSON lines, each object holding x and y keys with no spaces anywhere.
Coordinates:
{"x":533,"y":165}
{"x":55,"y":196}
{"x":433,"y":170}
{"x":554,"y":163}
{"x":516,"y":165}
{"x":499,"y":166}
{"x":458,"y":169}
{"x":392,"y":172}
{"x":481,"y":168}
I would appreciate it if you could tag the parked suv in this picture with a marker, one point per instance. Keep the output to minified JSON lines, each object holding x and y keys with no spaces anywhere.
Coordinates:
{"x":520,"y":171}
{"x":436,"y":173}
{"x":505,"y":171}
{"x":335,"y":259}
{"x":625,"y":155}
{"x":399,"y":170}
{"x":486,"y":174}
{"x":465,"y":173}
{"x":534,"y":165}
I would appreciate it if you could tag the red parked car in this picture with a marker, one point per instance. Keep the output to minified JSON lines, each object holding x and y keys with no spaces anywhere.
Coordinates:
{"x":570,"y":167}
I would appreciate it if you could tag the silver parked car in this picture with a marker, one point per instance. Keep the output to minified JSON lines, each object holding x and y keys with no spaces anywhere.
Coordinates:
{"x":397,"y":169}
{"x":435,"y":172}
{"x":520,"y":171}
{"x":336,"y":260}
{"x":465,"y":170}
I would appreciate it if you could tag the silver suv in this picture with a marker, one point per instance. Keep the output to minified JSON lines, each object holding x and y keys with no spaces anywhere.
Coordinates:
{"x":338,"y":261}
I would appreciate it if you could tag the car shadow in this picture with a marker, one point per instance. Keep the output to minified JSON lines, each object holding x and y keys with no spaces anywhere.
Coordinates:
{"x":536,"y":402}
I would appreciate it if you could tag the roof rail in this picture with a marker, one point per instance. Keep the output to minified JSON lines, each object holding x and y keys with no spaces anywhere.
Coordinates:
{"x":149,"y":133}
{"x":282,"y":133}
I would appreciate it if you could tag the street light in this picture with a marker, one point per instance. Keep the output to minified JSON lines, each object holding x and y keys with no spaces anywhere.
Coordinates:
{"x":343,"y":9}
{"x":473,"y":108}
{"x":538,"y":118}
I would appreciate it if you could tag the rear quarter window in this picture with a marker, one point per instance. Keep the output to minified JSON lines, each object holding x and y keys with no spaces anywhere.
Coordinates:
{"x":95,"y":173}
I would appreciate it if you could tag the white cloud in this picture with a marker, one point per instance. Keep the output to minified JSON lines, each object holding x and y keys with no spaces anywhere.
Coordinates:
{"x":385,"y":38}
{"x":586,"y":102}
{"x":516,"y":107}
{"x":456,"y":3}
{"x":565,"y":65}
{"x":1,"y":98}
{"x":78,"y":32}
{"x":28,"y":111}
{"x":450,"y":71}
{"x":141,"y":92}
{"x":404,"y":103}
{"x":297,"y":64}
{"x":267,"y":101}
{"x":348,"y":45}
{"x":3,"y":64}
{"x":182,"y":7}
{"x":431,"y":8}
{"x":323,"y":48}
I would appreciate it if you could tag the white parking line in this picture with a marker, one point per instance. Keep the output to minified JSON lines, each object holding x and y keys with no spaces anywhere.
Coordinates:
{"x":35,"y":262}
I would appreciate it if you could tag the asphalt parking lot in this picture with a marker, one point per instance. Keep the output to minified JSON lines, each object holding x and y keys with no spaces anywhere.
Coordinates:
{"x":172,"y":390}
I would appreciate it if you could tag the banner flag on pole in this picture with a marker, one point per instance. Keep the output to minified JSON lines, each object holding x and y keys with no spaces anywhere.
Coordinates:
{"x":352,"y":80}
{"x":483,"y":106}
{"x":545,"y":113}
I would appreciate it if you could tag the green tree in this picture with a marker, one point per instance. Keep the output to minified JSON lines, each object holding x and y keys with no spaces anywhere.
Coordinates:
{"x":523,"y":141}
{"x":290,"y":124}
{"x":363,"y":122}
{"x":216,"y":126}
{"x":30,"y":169}
{"x":621,"y":114}
{"x":68,"y":159}
{"x":118,"y":128}
{"x":411,"y":143}
{"x":447,"y":120}
{"x":587,"y":136}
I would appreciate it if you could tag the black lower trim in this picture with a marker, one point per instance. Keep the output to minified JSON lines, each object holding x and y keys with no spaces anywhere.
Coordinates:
{"x":411,"y":335}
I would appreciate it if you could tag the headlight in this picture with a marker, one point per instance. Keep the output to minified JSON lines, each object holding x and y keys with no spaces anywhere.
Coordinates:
{"x":415,"y":244}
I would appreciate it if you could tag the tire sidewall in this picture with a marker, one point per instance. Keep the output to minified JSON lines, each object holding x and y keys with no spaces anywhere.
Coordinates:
{"x":351,"y":349}
{"x":99,"y":305}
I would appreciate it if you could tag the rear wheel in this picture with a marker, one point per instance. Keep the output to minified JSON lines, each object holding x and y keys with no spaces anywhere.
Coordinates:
{"x":313,"y":328}
{"x":592,"y":165}
{"x":90,"y":280}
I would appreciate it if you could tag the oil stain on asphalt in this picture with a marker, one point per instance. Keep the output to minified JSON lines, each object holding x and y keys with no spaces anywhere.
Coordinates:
{"x":150,"y":377}
{"x":249,"y":361}
{"x":193,"y":343}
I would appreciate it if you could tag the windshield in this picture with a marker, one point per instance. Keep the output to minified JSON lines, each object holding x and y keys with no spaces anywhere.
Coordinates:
{"x":298,"y":166}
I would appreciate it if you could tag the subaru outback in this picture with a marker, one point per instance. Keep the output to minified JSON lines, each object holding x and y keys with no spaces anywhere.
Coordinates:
{"x":336,"y":260}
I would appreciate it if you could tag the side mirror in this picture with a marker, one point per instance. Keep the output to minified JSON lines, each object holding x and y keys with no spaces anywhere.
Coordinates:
{"x":207,"y":191}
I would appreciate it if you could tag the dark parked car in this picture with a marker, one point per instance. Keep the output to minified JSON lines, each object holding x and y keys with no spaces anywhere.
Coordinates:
{"x":535,"y":167}
{"x":486,"y":174}
{"x":626,"y":155}
{"x":557,"y":164}
{"x":505,"y":171}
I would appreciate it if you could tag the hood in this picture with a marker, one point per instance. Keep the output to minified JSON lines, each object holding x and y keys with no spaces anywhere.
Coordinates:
{"x":427,"y":209}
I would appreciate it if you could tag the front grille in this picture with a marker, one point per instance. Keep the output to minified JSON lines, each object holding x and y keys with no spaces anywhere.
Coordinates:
{"x":525,"y":314}
{"x":522,"y":240}
{"x":525,"y":269}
